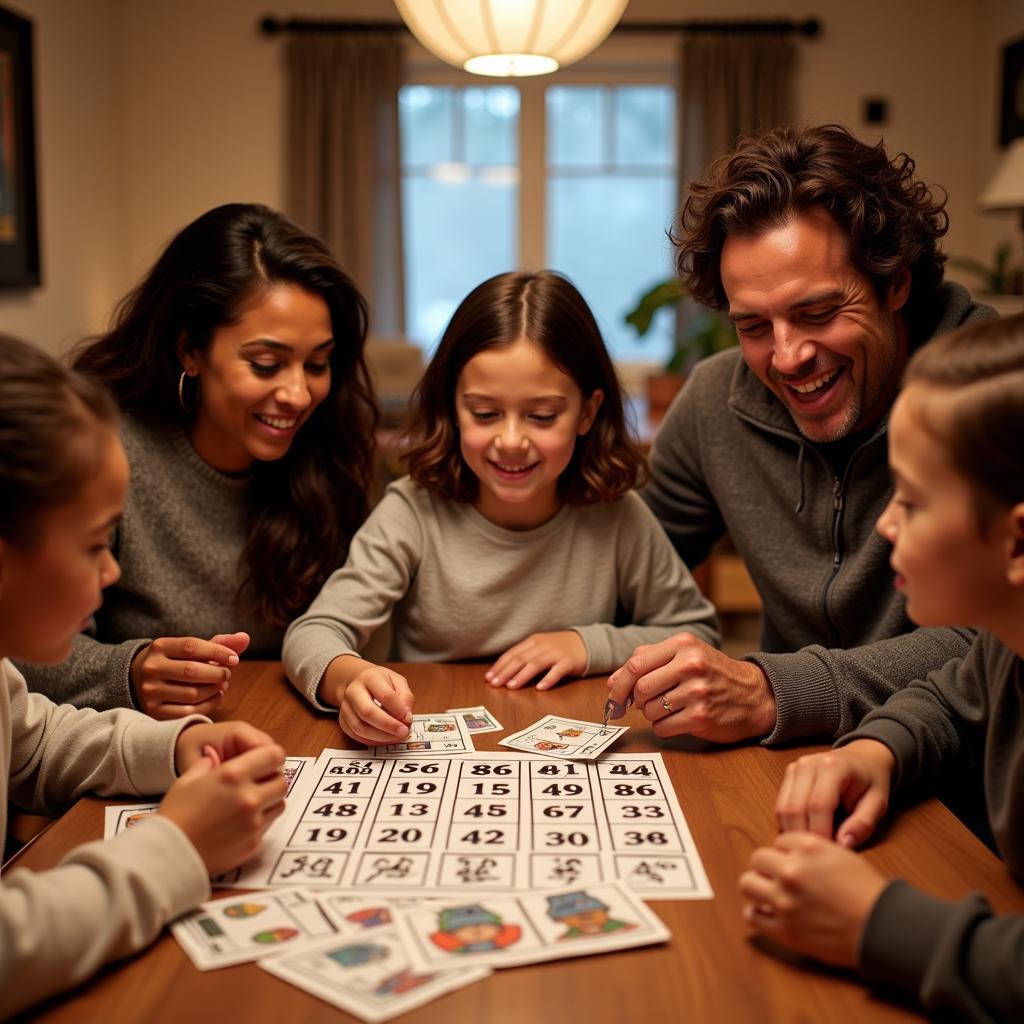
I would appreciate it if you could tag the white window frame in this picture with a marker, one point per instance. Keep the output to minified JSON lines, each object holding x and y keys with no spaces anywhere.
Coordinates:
{"x":639,"y":60}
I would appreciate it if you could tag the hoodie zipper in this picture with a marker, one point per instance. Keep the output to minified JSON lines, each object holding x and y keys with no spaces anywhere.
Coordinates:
{"x":837,"y":557}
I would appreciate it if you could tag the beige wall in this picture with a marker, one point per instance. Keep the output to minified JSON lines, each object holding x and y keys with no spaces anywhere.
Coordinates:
{"x":151,"y":111}
{"x":1003,"y":23}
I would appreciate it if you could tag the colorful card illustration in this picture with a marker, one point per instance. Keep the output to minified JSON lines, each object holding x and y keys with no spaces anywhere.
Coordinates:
{"x":122,"y":817}
{"x":431,"y":736}
{"x":247,"y":927}
{"x":368,"y":975}
{"x":478,"y":719}
{"x":508,"y":930}
{"x":357,"y":913}
{"x":565,"y":737}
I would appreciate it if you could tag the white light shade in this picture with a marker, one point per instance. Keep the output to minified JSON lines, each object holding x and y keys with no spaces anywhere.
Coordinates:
{"x":1006,"y":189}
{"x":510,"y":38}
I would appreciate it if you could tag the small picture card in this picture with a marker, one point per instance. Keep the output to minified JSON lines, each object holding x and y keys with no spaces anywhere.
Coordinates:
{"x":125,"y":816}
{"x":353,"y":914}
{"x":293,"y":769}
{"x":507,"y":929}
{"x":249,"y":926}
{"x":431,"y":736}
{"x":369,"y":975}
{"x":478,"y":719}
{"x":565,"y":737}
{"x":297,"y":771}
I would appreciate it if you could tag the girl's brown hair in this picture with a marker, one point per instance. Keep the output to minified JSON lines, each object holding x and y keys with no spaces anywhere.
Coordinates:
{"x":547,"y":310}
{"x":50,"y":422}
{"x":978,"y":372}
{"x":303,"y":508}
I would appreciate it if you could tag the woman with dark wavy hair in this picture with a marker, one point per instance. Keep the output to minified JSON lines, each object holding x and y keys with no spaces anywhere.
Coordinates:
{"x":516,"y":536}
{"x":248,"y":421}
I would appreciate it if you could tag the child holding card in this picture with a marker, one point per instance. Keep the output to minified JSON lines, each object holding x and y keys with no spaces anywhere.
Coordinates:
{"x":956,"y":522}
{"x":516,"y":535}
{"x":63,"y":477}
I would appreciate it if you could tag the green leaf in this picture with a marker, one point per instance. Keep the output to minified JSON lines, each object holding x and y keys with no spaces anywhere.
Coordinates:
{"x":664,"y":293}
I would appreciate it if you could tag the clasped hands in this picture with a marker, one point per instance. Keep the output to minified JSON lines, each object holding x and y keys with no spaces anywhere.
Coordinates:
{"x":808,"y":890}
{"x":230,"y":788}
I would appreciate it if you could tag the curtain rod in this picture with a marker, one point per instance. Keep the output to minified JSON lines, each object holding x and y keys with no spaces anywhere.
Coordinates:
{"x":809,"y":27}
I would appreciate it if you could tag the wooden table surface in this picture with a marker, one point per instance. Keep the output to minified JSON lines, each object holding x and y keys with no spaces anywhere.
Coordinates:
{"x":712,"y":970}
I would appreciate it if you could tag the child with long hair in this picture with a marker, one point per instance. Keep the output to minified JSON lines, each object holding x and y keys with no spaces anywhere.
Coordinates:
{"x":248,"y":423}
{"x":516,"y":536}
{"x":956,"y":523}
{"x":63,"y":476}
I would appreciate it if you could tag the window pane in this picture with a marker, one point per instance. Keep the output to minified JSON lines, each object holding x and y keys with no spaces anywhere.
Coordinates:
{"x":645,"y":126}
{"x":576,"y":126}
{"x":426,"y":124}
{"x":492,"y":123}
{"x":456,"y":235}
{"x":459,"y":200}
{"x":607,"y":233}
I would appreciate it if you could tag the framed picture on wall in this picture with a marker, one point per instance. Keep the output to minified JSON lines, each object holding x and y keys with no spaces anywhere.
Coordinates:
{"x":19,"y":216}
{"x":1011,"y":122}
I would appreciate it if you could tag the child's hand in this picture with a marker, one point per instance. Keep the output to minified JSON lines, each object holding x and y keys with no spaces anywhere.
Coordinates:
{"x":225,"y":810}
{"x":556,"y":654}
{"x":227,"y":739}
{"x":811,"y":895}
{"x":175,"y":676}
{"x":376,"y":707}
{"x":858,"y":776}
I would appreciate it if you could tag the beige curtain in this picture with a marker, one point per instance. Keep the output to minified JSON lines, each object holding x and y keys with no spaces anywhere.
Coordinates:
{"x":344,"y":165}
{"x":731,"y":84}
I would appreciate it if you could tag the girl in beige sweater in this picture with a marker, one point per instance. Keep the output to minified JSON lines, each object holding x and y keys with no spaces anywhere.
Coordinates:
{"x":63,"y":476}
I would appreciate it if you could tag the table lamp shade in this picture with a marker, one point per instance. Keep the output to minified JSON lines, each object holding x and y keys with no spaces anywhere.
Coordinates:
{"x":1005,"y":190}
{"x":510,"y":38}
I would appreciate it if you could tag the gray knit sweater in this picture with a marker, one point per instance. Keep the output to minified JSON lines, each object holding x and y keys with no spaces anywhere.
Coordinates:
{"x":835,"y":632}
{"x":461,"y":587}
{"x":179,"y":545}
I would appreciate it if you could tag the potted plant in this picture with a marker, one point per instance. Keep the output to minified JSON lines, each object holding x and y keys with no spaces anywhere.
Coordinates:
{"x":704,"y":332}
{"x":1002,"y":281}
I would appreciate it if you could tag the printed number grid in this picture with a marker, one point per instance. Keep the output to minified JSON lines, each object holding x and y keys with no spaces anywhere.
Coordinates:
{"x":489,"y":822}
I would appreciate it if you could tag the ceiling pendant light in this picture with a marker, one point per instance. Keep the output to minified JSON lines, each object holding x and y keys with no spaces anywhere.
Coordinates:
{"x":510,"y":38}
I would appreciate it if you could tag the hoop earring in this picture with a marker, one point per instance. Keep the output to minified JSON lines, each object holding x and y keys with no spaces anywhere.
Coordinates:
{"x":185,"y":406}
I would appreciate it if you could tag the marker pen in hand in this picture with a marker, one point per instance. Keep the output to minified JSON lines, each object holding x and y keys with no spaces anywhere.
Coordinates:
{"x":615,"y":710}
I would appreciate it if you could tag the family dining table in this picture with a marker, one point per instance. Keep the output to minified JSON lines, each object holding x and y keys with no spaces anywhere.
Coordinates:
{"x":712,"y":969}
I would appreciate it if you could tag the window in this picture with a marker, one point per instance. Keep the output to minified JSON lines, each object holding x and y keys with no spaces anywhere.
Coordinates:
{"x":574,"y":174}
{"x":460,"y":196}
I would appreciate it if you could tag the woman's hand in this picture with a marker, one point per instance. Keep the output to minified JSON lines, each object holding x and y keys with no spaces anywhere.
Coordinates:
{"x":177,"y":676}
{"x":557,"y":655}
{"x":811,"y":895}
